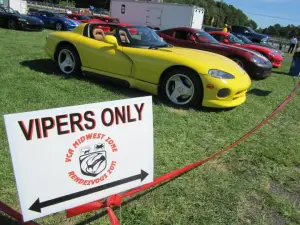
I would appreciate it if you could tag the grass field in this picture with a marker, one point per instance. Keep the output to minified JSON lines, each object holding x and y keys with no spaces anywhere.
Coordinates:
{"x":257,"y":182}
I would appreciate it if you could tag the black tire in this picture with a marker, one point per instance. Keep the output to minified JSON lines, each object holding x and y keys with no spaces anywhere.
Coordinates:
{"x":59,"y":26}
{"x":195,"y":99}
{"x":11,"y":24}
{"x":76,"y":71}
{"x":239,"y":61}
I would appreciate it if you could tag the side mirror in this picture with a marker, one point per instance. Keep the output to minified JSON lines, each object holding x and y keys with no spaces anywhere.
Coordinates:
{"x":226,"y":41}
{"x":44,"y":16}
{"x":110,"y":39}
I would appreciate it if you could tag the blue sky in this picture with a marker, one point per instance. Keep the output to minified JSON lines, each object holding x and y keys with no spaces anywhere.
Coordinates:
{"x":278,"y":8}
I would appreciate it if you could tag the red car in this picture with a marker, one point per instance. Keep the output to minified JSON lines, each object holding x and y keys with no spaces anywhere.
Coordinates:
{"x":231,"y":39}
{"x":256,"y":65}
{"x":113,"y":20}
{"x":84,"y":18}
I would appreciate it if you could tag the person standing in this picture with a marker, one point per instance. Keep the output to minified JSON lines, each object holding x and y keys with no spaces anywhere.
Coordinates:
{"x":92,"y":8}
{"x":292,"y":45}
{"x":225,"y":28}
{"x":229,"y":30}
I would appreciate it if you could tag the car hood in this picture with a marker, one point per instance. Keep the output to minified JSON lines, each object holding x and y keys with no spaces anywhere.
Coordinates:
{"x":256,"y":47}
{"x":252,"y":52}
{"x":74,"y":22}
{"x":31,"y":19}
{"x":208,"y":60}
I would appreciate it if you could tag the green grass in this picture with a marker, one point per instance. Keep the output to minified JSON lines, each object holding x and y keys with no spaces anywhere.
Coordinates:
{"x":257,"y":182}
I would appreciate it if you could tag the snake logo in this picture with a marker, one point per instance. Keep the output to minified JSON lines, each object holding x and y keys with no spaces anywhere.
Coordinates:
{"x":93,"y":160}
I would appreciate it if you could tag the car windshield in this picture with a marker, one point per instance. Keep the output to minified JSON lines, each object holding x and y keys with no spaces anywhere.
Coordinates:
{"x":113,"y":20}
{"x":10,"y":10}
{"x":144,"y":37}
{"x":206,"y":37}
{"x":244,"y":39}
{"x":251,"y":30}
{"x":84,"y":17}
{"x":58,"y":15}
{"x":233,"y":39}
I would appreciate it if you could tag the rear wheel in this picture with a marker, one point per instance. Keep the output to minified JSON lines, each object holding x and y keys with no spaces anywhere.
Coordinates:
{"x":182,"y":87}
{"x":59,"y":26}
{"x":12,"y":25}
{"x":68,"y":60}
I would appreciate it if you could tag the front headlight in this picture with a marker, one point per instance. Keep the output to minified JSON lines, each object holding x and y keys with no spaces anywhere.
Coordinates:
{"x":220,"y":74}
{"x":258,"y":60}
{"x":273,"y":53}
{"x":21,"y":19}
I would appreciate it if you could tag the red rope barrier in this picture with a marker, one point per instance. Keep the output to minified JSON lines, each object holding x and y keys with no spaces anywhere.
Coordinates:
{"x":116,"y":200}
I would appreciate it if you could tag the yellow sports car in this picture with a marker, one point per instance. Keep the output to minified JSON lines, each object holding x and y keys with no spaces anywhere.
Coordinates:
{"x":137,"y":57}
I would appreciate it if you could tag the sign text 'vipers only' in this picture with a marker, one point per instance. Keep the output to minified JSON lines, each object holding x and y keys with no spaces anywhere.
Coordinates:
{"x":73,"y":122}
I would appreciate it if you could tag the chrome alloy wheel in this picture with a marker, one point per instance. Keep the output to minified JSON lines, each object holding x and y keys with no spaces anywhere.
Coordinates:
{"x":66,"y":61}
{"x":180,"y":89}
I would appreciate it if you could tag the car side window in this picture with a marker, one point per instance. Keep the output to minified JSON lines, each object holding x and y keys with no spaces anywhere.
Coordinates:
{"x":183,"y":35}
{"x":218,"y":37}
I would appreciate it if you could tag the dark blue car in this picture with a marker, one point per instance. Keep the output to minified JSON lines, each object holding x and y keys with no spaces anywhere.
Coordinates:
{"x":56,"y":20}
{"x":250,"y":34}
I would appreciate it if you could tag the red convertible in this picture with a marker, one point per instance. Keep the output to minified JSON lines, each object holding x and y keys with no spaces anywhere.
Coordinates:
{"x":84,"y":18}
{"x":230,"y":39}
{"x":256,"y":65}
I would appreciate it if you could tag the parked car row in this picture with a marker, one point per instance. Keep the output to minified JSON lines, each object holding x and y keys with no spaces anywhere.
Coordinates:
{"x":187,"y":66}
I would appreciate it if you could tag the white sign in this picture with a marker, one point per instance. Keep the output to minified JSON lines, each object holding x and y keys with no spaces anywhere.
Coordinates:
{"x":66,"y":157}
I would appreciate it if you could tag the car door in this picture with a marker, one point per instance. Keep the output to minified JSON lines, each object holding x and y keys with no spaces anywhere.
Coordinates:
{"x":3,"y":20}
{"x":104,"y":57}
{"x":44,"y":17}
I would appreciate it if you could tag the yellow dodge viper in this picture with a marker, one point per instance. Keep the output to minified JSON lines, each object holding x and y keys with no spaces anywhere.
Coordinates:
{"x":137,"y":57}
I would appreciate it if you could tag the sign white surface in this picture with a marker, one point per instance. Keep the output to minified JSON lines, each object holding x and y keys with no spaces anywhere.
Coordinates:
{"x":66,"y":157}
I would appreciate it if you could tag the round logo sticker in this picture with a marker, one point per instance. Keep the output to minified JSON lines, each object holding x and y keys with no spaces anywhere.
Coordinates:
{"x":91,"y":159}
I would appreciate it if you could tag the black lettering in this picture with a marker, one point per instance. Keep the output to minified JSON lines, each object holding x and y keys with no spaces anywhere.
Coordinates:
{"x":38,"y":128}
{"x":75,"y":120}
{"x":129,"y":115}
{"x":103,"y":117}
{"x":120,"y":115}
{"x":139,"y":110}
{"x":46,"y":127}
{"x":60,"y":124}
{"x":27,"y":132}
{"x":89,"y":119}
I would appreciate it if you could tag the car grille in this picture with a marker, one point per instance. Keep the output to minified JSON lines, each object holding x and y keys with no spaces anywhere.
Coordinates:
{"x":239,"y":94}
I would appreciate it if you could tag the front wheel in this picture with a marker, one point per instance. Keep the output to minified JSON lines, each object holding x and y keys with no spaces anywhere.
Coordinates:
{"x":182,"y":87}
{"x":12,"y":25}
{"x":68,"y":60}
{"x":238,"y":61}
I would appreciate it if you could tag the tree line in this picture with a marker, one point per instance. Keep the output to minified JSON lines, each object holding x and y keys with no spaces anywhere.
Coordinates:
{"x":219,"y":13}
{"x":281,"y":31}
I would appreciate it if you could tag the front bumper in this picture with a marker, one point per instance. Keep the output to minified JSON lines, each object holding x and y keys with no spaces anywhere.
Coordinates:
{"x":30,"y":27}
{"x":238,"y":88}
{"x":49,"y":52}
{"x":70,"y":27}
{"x":259,"y":72}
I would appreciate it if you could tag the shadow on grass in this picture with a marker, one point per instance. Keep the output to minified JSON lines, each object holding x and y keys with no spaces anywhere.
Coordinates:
{"x":6,"y":220}
{"x":259,"y":92}
{"x":48,"y":67}
{"x":282,"y":73}
{"x":126,"y":202}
